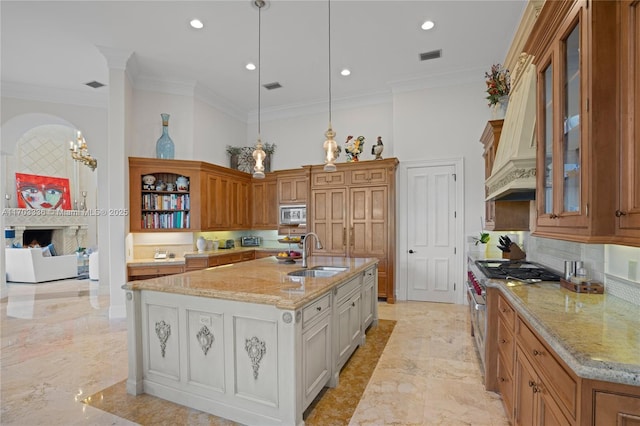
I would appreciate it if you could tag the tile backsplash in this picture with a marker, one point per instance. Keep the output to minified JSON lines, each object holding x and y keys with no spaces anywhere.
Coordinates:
{"x":615,"y":266}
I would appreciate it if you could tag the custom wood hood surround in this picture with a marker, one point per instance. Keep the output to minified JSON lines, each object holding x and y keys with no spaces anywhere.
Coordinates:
{"x":514,"y":167}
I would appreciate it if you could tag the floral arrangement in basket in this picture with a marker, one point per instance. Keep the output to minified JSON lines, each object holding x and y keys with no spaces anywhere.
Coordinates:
{"x":498,"y":83}
{"x":354,"y":147}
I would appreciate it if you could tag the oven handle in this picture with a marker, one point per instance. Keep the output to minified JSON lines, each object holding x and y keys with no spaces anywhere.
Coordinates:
{"x":476,"y":305}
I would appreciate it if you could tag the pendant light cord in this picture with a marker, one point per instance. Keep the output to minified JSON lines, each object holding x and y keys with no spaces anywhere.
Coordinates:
{"x":329,"y":61}
{"x":259,"y":60}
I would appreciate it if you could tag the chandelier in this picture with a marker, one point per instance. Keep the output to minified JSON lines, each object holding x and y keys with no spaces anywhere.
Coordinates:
{"x":80,"y":152}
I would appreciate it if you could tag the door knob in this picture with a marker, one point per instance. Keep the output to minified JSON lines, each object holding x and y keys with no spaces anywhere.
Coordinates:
{"x":412,"y":251}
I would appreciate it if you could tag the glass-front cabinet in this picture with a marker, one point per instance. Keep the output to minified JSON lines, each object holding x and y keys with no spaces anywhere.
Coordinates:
{"x":560,"y":132}
{"x":576,"y":132}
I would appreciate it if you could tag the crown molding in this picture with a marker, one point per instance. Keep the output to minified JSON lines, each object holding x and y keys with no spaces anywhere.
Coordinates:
{"x":97,"y":98}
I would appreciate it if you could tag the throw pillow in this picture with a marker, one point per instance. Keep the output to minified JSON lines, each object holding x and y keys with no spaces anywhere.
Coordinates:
{"x":52,"y":250}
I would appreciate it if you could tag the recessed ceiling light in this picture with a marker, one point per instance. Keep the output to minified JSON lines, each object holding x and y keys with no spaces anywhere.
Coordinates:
{"x":345,"y":72}
{"x":427,"y":25}
{"x":250,"y":66}
{"x":196,"y":23}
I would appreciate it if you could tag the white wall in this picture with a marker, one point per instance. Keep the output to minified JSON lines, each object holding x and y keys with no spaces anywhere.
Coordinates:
{"x":213,"y":131}
{"x":299,"y":139}
{"x":444,"y":123}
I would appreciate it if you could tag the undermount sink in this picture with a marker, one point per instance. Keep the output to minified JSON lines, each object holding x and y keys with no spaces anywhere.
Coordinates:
{"x":318,"y":271}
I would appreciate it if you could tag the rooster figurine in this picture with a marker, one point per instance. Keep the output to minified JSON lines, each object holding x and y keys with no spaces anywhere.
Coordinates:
{"x":378,"y":148}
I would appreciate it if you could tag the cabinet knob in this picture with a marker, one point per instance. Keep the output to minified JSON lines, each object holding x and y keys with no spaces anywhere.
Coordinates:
{"x":353,"y":304}
{"x":318,"y":308}
{"x":531,"y":383}
{"x":620,"y":213}
{"x":503,"y":341}
{"x":502,"y":379}
{"x":536,"y":352}
{"x":412,"y":251}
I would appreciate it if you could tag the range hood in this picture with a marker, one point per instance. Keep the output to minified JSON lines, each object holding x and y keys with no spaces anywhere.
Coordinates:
{"x":513,"y":176}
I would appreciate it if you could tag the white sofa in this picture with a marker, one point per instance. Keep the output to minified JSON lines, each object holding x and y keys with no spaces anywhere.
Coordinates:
{"x":28,"y":265}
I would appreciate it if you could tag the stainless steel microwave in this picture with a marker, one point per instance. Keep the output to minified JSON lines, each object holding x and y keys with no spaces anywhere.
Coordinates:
{"x":293,"y":215}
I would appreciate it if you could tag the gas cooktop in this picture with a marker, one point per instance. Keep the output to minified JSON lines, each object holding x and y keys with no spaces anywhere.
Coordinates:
{"x":501,"y":269}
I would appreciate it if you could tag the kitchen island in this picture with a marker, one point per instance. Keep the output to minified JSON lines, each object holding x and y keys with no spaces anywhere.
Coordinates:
{"x":247,"y":341}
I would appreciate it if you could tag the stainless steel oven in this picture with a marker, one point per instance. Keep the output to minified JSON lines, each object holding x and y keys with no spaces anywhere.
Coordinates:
{"x":477,"y":312}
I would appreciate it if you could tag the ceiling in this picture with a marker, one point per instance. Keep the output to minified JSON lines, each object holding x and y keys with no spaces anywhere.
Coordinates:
{"x":52,"y":44}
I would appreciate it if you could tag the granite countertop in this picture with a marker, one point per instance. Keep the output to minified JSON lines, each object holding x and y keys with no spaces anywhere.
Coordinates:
{"x":262,"y":281}
{"x":597,"y":335}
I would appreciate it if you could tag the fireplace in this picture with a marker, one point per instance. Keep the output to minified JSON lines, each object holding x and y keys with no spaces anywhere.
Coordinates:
{"x":37,"y":237}
{"x":67,"y":228}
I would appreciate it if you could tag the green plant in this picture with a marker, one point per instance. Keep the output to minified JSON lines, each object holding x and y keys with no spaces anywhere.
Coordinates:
{"x":498,"y":83}
{"x":269,"y":148}
{"x":484,"y":238}
{"x":233,"y":150}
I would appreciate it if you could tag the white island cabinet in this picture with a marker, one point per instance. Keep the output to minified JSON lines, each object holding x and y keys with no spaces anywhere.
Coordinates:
{"x":247,"y":342}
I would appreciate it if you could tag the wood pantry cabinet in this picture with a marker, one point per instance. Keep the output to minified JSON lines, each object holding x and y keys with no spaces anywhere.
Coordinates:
{"x":353,"y":212}
{"x":500,"y":215}
{"x":574,"y":48}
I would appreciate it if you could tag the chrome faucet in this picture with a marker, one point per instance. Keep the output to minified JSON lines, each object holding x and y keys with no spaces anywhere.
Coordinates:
{"x":304,"y":247}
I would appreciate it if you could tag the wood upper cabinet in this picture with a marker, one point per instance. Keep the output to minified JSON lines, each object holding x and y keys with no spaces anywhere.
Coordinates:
{"x":628,"y":208}
{"x":573,"y":44}
{"x":153,"y":208}
{"x":500,"y":215}
{"x":293,"y":186}
{"x":353,"y":212}
{"x":217,"y":198}
{"x":264,"y":197}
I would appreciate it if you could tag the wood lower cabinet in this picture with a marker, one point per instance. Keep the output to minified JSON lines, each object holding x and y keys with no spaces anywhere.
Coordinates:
{"x":145,"y":272}
{"x":201,"y":262}
{"x":534,"y":405}
{"x":506,"y":354}
{"x":353,"y":212}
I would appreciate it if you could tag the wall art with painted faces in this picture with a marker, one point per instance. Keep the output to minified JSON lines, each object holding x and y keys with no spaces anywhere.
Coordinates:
{"x":42,"y":192}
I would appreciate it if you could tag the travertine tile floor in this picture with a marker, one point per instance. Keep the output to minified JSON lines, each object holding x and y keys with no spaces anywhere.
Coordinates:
{"x":59,"y":346}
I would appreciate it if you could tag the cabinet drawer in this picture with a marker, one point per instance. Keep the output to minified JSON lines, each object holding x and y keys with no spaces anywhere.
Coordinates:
{"x":155,"y":270}
{"x":196,"y":263}
{"x":506,"y":343}
{"x":248,"y":255}
{"x":328,"y":179}
{"x":506,"y":312}
{"x":315,"y":310}
{"x":561,"y":384}
{"x":344,"y":290}
{"x":369,"y":176}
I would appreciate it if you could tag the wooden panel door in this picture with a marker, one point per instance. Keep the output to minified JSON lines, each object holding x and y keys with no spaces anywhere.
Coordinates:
{"x":293,"y":189}
{"x":368,"y":222}
{"x":628,"y":212}
{"x":239,"y":205}
{"x":329,"y":220}
{"x":265,"y":204}
{"x":217,"y":204}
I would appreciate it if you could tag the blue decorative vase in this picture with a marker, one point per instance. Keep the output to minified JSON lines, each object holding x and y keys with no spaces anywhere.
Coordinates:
{"x":164,"y":146}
